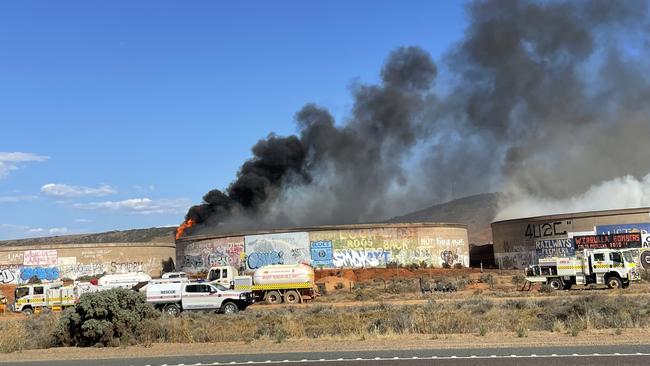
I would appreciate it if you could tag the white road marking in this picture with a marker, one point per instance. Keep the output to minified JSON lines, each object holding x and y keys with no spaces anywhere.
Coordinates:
{"x":451,"y":357}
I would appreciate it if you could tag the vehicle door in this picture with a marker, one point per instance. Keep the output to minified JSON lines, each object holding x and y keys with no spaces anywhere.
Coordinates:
{"x":214,"y":297}
{"x":193,"y":296}
{"x":600,"y":265}
{"x":38,"y":295}
{"x":616,"y":264}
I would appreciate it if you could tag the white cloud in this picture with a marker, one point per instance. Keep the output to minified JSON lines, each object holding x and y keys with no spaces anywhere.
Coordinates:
{"x":13,"y":231}
{"x":58,"y":230}
{"x":82,"y":220}
{"x":65,"y":190}
{"x":14,"y":199}
{"x":10,"y":161}
{"x":139,"y":206}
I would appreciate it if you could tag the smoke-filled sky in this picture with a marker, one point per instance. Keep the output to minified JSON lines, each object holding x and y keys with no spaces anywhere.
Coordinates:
{"x":544,"y":101}
{"x":123,"y":115}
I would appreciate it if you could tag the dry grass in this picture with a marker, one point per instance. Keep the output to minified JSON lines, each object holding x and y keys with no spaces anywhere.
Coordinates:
{"x":478,"y":315}
{"x":474,"y":316}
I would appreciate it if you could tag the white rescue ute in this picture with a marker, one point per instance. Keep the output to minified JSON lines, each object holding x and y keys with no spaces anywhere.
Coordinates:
{"x":172,"y":297}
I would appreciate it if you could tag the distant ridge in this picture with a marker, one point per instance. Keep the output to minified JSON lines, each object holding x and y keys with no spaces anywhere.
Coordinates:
{"x":154,"y":234}
{"x":476,"y":211}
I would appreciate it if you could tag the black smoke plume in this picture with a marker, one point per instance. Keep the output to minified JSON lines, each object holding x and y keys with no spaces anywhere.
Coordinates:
{"x":542,"y":100}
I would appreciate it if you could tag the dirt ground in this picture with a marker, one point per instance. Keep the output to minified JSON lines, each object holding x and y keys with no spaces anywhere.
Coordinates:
{"x":387,"y":342}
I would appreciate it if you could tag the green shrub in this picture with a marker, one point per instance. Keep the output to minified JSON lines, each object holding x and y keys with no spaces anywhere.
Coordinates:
{"x":482,"y":330}
{"x":521,"y":331}
{"x":106,"y":318}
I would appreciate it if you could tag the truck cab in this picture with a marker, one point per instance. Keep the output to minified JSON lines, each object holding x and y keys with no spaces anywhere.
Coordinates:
{"x":223,"y":275}
{"x":615,"y":268}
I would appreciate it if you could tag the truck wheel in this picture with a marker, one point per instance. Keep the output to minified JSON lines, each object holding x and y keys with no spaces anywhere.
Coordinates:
{"x":273,"y":297}
{"x":614,"y":282}
{"x":291,"y":297}
{"x":28,"y":311}
{"x":229,"y":308}
{"x":171,"y":309}
{"x":555,"y":284}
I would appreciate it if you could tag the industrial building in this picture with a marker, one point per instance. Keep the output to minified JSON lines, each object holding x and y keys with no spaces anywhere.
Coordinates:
{"x":520,"y":242}
{"x":340,"y":246}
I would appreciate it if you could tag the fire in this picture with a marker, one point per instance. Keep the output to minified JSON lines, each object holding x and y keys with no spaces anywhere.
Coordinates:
{"x":181,"y":229}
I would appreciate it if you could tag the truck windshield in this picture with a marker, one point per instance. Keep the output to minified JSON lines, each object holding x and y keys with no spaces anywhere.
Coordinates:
{"x":628,"y":257}
{"x":215,"y":274}
{"x":22,"y":292}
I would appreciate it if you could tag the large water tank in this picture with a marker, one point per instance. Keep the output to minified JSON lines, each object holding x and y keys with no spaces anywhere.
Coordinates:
{"x":283,"y":273}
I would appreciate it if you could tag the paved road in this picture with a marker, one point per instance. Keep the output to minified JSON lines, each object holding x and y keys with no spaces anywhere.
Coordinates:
{"x":542,"y":356}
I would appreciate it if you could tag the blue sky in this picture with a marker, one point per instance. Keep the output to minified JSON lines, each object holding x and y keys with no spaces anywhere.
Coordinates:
{"x":121,"y":114}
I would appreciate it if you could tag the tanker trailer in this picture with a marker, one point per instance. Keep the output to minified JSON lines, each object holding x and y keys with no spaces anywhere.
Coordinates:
{"x":274,"y":284}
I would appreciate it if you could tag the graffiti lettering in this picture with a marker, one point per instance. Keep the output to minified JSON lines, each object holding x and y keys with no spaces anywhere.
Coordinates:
{"x":645,"y":259}
{"x":544,"y":230}
{"x":126,"y":267}
{"x":217,"y":259}
{"x":7,"y":276}
{"x":42,"y":273}
{"x":554,"y":248}
{"x":448,"y":257}
{"x":193,"y":261}
{"x":360,"y":258}
{"x":359,"y":243}
{"x":78,"y":270}
{"x":257,"y":260}
{"x":40,"y":257}
{"x":297,"y":253}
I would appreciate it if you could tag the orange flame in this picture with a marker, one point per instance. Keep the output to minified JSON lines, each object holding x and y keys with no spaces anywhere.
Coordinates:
{"x":184,"y":226}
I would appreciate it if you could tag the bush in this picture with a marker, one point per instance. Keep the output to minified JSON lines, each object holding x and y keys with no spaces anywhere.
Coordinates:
{"x":106,"y":318}
{"x":488,"y":279}
{"x":546,"y":289}
{"x":518,"y":279}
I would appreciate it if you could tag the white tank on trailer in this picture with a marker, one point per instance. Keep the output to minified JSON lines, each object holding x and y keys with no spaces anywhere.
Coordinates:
{"x":283,"y":274}
{"x":125,"y":280}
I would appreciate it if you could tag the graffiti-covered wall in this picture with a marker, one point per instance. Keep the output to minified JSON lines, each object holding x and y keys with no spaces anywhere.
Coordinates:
{"x":519,"y":243}
{"x":51,"y":263}
{"x":437,"y":245}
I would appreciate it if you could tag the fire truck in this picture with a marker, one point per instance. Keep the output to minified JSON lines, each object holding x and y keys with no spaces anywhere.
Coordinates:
{"x":55,"y":296}
{"x":611,"y":267}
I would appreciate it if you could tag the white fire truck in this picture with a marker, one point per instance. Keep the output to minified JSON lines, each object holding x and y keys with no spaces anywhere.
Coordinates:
{"x":55,"y":296}
{"x":611,"y":267}
{"x":175,"y":295}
